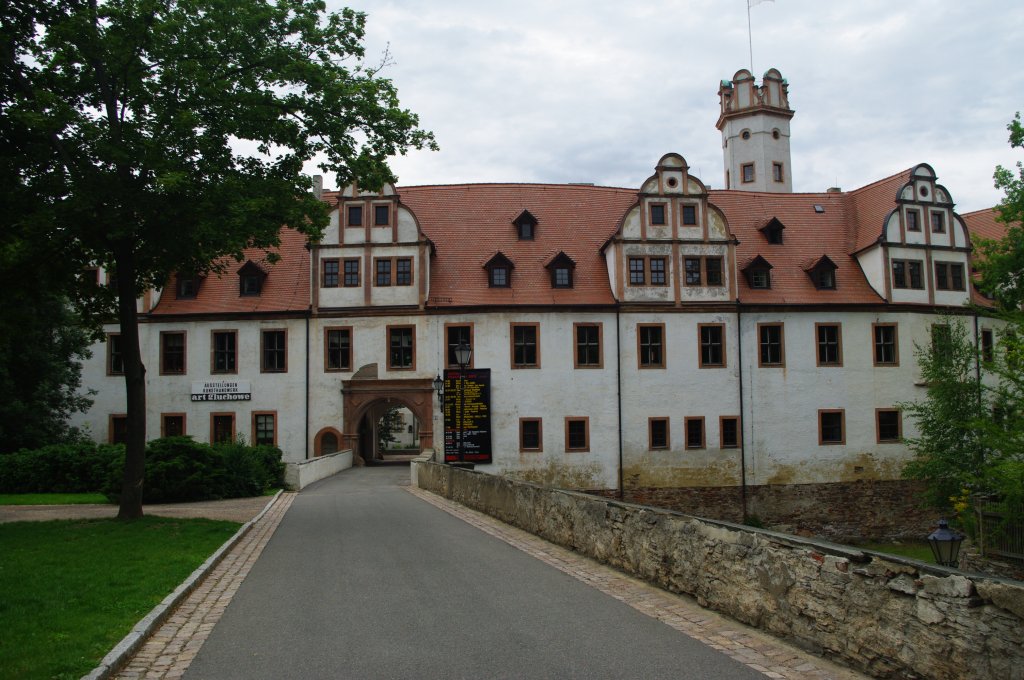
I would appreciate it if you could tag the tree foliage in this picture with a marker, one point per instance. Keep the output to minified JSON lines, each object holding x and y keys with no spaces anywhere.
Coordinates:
{"x":153,"y":136}
{"x":1001,"y":261}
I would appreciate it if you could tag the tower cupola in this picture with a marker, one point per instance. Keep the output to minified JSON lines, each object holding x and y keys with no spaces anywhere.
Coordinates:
{"x":754,"y":122}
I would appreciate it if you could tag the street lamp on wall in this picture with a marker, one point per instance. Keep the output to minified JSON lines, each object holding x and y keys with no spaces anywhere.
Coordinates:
{"x":945,"y":545}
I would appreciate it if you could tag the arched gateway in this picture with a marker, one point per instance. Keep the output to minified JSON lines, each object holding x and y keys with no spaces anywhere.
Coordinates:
{"x":365,"y":395}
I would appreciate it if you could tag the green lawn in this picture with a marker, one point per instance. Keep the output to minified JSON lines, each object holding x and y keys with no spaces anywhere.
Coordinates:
{"x":70,"y":590}
{"x":51,"y":498}
{"x":917,"y":551}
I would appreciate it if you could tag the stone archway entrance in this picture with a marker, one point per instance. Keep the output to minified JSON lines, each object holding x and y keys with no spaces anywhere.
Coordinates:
{"x":365,"y":396}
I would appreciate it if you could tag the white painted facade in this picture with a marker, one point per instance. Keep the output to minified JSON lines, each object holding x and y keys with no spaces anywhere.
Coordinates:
{"x":669,"y":223}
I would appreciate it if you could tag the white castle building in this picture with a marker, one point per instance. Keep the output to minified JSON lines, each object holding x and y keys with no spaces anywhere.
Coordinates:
{"x":698,"y":346}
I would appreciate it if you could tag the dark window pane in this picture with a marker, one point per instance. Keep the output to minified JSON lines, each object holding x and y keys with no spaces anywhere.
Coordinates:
{"x":831,"y":427}
{"x":274,"y":351}
{"x":403,"y":272}
{"x":713,"y":270}
{"x":828,"y":345}
{"x":711,"y":346}
{"x":174,"y":426}
{"x":730,"y":433}
{"x":888,"y":426}
{"x":657,"y":271}
{"x":351,"y":273}
{"x":577,"y":434}
{"x":530,"y":434}
{"x":401,"y":348}
{"x":457,"y":335}
{"x":524,"y":346}
{"x":636,"y":271}
{"x":381,"y":214}
{"x":355,"y":216}
{"x":659,"y":434}
{"x":689,"y":214}
{"x":771,"y":345}
{"x":383,"y":272}
{"x":224,"y":352}
{"x":173,"y":353}
{"x":657,"y":214}
{"x":588,"y":348}
{"x":694,"y":433}
{"x":330,"y":273}
{"x":264,"y":429}
{"x":650,"y":346}
{"x":339,"y":350}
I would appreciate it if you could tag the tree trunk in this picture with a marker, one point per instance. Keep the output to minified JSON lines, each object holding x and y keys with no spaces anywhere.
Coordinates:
{"x":135,"y":384}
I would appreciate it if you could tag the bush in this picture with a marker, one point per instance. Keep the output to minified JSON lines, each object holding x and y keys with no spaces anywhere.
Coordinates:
{"x":79,"y":467}
{"x":178,"y":469}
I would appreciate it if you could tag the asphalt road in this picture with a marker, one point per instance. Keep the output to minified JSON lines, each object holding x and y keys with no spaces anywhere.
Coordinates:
{"x":364,"y":580}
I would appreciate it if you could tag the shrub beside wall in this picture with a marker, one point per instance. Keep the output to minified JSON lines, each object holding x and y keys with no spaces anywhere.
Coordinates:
{"x":891,"y":617}
{"x":178,"y":469}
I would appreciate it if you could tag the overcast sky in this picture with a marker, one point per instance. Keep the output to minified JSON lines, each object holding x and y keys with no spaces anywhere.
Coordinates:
{"x":572,"y":91}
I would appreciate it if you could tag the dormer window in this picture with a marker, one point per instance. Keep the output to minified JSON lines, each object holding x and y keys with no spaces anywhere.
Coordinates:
{"x":758,"y":273}
{"x":187,"y":286}
{"x":499,"y":271}
{"x":250,"y":279}
{"x":822,"y":272}
{"x":526,"y":226}
{"x":773,"y":231}
{"x":561,"y":268}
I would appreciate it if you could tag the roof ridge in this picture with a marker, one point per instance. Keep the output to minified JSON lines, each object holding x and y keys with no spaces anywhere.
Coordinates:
{"x":564,"y":185}
{"x":884,"y":180}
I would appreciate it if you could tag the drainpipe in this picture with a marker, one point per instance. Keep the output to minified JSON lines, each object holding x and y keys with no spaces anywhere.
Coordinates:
{"x":618,"y":394}
{"x":977,"y":357}
{"x":743,"y":420}
{"x":309,"y":313}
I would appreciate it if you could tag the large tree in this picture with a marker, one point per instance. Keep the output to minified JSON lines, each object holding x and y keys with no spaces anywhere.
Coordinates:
{"x":151,"y":136}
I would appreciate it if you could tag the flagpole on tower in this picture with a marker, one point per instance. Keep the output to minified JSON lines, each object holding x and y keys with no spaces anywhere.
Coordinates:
{"x":750,"y":33}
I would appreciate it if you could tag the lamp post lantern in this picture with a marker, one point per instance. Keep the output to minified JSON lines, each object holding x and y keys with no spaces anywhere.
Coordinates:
{"x":945,"y":545}
{"x":463,"y":355}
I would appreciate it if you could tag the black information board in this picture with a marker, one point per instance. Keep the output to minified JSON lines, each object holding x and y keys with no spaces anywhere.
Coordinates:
{"x":476,"y":420}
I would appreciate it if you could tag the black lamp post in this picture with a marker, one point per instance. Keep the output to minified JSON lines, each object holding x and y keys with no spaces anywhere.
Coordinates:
{"x":463,"y":354}
{"x":945,"y":545}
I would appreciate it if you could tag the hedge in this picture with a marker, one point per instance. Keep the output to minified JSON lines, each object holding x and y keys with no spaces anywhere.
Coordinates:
{"x":177,"y":469}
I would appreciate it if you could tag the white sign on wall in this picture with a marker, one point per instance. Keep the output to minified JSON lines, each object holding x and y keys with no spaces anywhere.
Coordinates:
{"x":221,"y":390}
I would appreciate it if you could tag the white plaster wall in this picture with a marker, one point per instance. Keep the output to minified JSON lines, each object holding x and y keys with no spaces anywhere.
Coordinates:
{"x":782,"y":404}
{"x":872,"y":263}
{"x":762,"y":149}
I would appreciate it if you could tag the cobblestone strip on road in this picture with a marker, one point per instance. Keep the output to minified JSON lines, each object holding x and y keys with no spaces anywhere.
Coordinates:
{"x":169,"y":652}
{"x":759,"y":651}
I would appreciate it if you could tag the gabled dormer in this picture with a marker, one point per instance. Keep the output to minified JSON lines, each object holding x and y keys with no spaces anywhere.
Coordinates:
{"x":758,"y":272}
{"x":772,"y":231}
{"x":561,"y":267}
{"x":526,"y":226}
{"x":822,"y":271}
{"x":186,"y":286}
{"x":251,"y":277}
{"x":499,"y":271}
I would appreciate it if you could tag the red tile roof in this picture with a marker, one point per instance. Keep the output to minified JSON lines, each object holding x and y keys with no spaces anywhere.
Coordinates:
{"x":286,"y":287}
{"x":983,"y":223}
{"x":469,"y":223}
{"x":869,"y":207}
{"x":808,"y":235}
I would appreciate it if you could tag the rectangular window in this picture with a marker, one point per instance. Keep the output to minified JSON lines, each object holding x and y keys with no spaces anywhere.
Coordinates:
{"x":886,"y":344}
{"x":657,"y":266}
{"x":712,"y":345}
{"x":651,"y":345}
{"x":907,"y":274}
{"x":657,"y":433}
{"x":530,"y":434}
{"x":264,"y":428}
{"x":381,"y":215}
{"x":561,"y":277}
{"x":115,"y":354}
{"x":747,"y":171}
{"x":577,"y":434}
{"x":770,"y":344}
{"x":273,"y":351}
{"x":691,"y":265}
{"x":912,"y":221}
{"x":689,"y":215}
{"x":403,"y":271}
{"x":525,"y":345}
{"x":172,"y":353}
{"x":499,"y":277}
{"x":222,"y":427}
{"x":172,"y":424}
{"x":729,"y":432}
{"x":713,"y":271}
{"x":355,"y":216}
{"x":454,"y":336}
{"x":588,"y":345}
{"x":949,"y":276}
{"x":658,"y":213}
{"x":831,"y":426}
{"x":383,"y":272}
{"x":331,"y":268}
{"x":760,"y":278}
{"x":938,"y":222}
{"x":777,"y":172}
{"x":352,"y":273}
{"x":637,"y":271}
{"x":889,"y":425}
{"x":987,"y":344}
{"x":337,"y":349}
{"x":225,"y":352}
{"x":830,"y":344}
{"x":117,"y":430}
{"x":401,"y":348}
{"x":694,"y":432}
